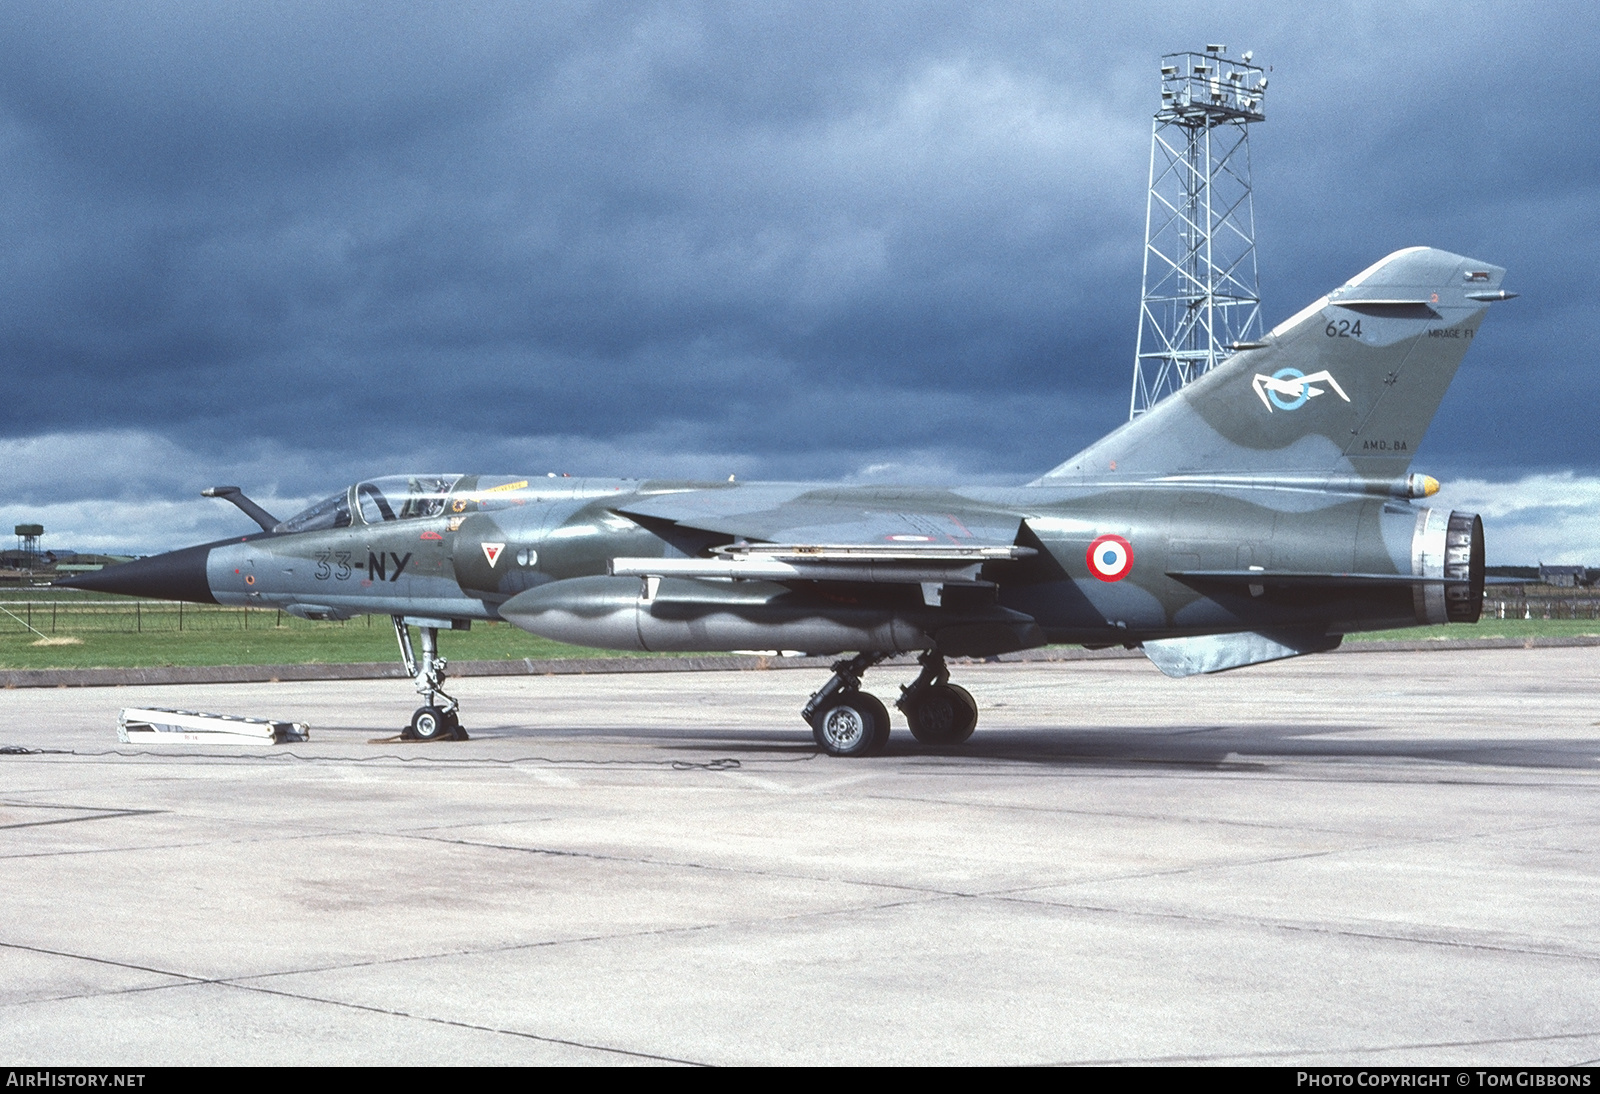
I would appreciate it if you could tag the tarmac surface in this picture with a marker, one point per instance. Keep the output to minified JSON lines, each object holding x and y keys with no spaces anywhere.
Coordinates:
{"x":1376,"y":858}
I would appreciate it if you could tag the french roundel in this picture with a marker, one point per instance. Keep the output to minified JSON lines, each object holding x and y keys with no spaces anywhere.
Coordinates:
{"x":1110,"y":558}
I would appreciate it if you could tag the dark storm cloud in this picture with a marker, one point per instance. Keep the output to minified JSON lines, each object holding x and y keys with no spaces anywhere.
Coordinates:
{"x":306,"y":242}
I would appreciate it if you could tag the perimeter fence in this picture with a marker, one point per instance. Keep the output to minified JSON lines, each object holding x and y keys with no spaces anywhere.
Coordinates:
{"x":1541,"y":607}
{"x":68,"y":617}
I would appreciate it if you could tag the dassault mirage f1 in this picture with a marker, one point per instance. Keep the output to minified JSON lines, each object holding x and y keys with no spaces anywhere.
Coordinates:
{"x":1264,"y":511}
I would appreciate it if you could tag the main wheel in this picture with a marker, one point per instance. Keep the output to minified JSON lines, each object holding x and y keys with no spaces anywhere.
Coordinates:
{"x":851,"y":724}
{"x":944,"y":714}
{"x":880,"y":715}
{"x":431,"y":724}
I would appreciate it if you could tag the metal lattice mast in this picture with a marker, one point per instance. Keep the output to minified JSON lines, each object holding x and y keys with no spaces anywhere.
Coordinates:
{"x":1201,"y":298}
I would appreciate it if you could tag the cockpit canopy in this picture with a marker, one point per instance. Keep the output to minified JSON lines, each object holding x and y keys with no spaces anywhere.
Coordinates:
{"x":393,"y":497}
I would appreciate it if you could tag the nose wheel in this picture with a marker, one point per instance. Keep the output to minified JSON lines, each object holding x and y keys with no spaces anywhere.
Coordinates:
{"x":432,"y":723}
{"x":434,"y":720}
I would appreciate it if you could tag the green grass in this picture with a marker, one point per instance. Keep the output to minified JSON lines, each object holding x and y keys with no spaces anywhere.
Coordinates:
{"x":1489,"y":628}
{"x":299,"y":642}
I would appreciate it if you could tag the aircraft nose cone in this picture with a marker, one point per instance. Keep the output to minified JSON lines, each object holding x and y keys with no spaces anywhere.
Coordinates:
{"x":176,"y":575}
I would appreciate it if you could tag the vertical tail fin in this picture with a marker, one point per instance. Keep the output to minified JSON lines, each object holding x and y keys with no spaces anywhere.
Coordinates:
{"x":1346,"y":387}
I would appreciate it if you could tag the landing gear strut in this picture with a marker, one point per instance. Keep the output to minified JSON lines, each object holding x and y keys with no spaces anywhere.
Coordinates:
{"x":433,"y":721}
{"x":938,"y":712}
{"x":846,"y":721}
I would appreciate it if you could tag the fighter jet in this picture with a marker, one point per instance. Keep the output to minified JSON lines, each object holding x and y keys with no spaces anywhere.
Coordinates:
{"x":1262,"y":512}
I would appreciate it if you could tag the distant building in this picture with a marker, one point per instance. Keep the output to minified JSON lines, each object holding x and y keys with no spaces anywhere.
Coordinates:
{"x":19,"y":567}
{"x":1565,"y":577}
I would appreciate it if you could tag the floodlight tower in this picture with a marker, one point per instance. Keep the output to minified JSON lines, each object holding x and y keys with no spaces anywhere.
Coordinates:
{"x":1201,"y":299}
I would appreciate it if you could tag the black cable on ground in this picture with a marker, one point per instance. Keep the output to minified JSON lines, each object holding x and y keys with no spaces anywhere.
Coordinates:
{"x":724,"y":763}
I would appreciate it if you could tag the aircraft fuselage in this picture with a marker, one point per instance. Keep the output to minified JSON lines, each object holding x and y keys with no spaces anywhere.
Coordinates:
{"x":491,"y":548}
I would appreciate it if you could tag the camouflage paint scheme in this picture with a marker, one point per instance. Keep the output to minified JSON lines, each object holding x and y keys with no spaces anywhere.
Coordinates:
{"x":1267,"y":509}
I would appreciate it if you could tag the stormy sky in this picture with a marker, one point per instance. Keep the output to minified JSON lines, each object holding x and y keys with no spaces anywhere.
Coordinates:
{"x":287,"y":245}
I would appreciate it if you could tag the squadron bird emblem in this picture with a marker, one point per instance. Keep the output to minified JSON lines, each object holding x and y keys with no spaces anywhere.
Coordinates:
{"x":1289,"y":388}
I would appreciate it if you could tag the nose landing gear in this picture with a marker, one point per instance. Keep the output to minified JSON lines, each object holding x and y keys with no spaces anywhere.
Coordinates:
{"x":433,"y":721}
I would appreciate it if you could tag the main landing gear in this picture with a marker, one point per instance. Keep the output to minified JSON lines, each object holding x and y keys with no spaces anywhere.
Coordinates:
{"x":846,"y":721}
{"x":938,"y":712}
{"x":433,"y":721}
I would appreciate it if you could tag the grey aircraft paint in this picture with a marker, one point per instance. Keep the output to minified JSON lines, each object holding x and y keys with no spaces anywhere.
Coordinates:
{"x":1262,"y":512}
